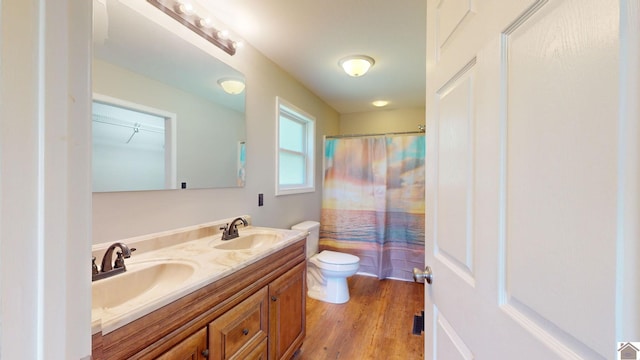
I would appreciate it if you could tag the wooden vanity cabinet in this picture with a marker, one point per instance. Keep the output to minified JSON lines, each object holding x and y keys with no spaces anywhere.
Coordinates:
{"x":240,"y":330}
{"x":194,"y":347}
{"x":256,"y":313}
{"x":287,"y":313}
{"x":259,"y":353}
{"x":276,"y":312}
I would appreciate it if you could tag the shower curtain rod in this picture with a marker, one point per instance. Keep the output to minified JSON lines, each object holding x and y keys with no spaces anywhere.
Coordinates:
{"x":380,"y":134}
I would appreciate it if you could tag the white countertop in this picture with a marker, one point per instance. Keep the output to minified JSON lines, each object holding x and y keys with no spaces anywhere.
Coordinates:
{"x":210,"y":264}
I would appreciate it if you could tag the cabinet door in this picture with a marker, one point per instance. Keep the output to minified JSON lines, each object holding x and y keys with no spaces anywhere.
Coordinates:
{"x":194,"y":347}
{"x":240,"y":329}
{"x":287,"y":313}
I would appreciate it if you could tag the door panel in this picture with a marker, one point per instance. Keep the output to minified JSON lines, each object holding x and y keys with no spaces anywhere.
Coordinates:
{"x":454,"y":241}
{"x":450,"y":16}
{"x":522,"y":156}
{"x":450,"y":344}
{"x":560,"y":164}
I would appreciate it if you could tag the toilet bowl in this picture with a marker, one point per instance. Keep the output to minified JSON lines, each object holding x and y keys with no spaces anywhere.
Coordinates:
{"x":327,"y":274}
{"x":327,"y":271}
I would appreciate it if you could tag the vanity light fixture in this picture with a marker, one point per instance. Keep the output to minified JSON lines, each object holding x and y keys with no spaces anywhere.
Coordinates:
{"x":197,"y":21}
{"x":205,"y":22}
{"x":380,"y":103}
{"x":356,"y":65}
{"x":184,"y":8}
{"x":231,"y":86}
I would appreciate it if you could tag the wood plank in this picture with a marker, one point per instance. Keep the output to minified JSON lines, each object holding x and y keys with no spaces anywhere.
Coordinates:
{"x":376,"y":323}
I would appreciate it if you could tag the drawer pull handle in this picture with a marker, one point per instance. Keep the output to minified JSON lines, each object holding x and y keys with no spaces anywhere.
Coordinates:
{"x":205,"y":353}
{"x":245,"y":331}
{"x":273,"y":298}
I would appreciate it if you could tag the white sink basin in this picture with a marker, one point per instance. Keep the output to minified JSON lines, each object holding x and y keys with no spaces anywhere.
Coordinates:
{"x":144,"y":279}
{"x":250,"y":241}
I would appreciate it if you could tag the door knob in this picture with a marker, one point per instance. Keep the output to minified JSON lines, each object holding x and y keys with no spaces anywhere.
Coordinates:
{"x":422,"y":276}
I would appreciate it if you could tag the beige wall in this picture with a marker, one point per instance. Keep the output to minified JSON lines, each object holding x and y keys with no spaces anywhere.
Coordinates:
{"x":121,"y":215}
{"x":382,"y":121}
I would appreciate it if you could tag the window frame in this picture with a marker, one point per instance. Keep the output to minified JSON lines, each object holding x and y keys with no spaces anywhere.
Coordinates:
{"x":296,"y":114}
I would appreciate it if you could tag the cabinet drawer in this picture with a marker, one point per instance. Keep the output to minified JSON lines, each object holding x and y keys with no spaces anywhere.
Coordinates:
{"x":257,"y":353}
{"x":193,"y":347}
{"x":241,"y":328}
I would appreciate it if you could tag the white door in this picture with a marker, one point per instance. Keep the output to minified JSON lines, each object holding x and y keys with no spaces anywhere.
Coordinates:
{"x":532,"y":179}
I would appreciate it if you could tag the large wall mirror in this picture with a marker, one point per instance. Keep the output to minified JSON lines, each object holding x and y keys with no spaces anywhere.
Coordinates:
{"x":161,"y":120}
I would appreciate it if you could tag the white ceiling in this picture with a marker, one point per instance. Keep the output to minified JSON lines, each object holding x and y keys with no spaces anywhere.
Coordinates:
{"x":307,"y":38}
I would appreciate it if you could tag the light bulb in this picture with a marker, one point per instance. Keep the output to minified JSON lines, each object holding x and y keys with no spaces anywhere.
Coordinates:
{"x":204,"y":22}
{"x":184,"y":8}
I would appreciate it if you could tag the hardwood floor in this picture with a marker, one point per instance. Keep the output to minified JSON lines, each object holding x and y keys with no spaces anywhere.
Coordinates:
{"x":376,"y":323}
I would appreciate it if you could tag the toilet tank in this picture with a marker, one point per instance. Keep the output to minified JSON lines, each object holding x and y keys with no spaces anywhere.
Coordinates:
{"x":313,"y":227}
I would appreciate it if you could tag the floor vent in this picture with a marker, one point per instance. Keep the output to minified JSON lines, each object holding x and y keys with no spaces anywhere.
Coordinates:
{"x":418,"y":323}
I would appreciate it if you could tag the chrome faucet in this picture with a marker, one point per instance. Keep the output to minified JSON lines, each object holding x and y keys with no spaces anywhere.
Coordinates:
{"x":231,"y":230}
{"x":108,"y":269}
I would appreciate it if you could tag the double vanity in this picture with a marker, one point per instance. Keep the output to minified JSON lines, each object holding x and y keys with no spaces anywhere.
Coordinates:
{"x":190,"y":294}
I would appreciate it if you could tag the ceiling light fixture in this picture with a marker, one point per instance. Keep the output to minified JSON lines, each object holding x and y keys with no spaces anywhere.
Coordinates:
{"x":231,"y":86}
{"x":380,"y":103}
{"x":356,"y":65}
{"x":197,"y":21}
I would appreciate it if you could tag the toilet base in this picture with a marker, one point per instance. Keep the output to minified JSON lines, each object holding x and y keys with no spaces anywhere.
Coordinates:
{"x":331,"y":289}
{"x":334,"y":291}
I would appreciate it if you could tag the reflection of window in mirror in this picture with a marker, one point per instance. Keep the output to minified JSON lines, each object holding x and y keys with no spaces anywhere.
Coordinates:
{"x":132,"y":147}
{"x":242,"y":159}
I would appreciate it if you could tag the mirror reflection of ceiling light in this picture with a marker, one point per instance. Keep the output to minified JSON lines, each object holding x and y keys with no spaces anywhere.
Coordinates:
{"x":196,"y":20}
{"x":231,"y":86}
{"x":380,"y":103}
{"x":356,"y":65}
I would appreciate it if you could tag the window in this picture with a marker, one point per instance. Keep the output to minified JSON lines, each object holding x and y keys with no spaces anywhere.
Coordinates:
{"x":295,"y":150}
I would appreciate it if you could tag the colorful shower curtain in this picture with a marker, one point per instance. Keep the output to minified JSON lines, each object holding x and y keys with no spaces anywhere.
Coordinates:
{"x":373,"y":202}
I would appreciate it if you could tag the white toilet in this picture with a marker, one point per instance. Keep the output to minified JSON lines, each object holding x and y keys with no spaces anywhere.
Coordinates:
{"x":327,"y":271}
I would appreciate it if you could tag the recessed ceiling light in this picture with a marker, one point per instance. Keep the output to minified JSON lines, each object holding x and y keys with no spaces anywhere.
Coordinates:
{"x":380,"y":103}
{"x":356,"y":65}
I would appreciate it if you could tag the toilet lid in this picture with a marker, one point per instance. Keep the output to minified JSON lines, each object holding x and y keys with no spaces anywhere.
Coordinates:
{"x":338,"y":258}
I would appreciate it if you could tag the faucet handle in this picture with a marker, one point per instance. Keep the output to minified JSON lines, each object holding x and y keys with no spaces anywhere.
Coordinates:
{"x":94,"y":267}
{"x":119,"y":263}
